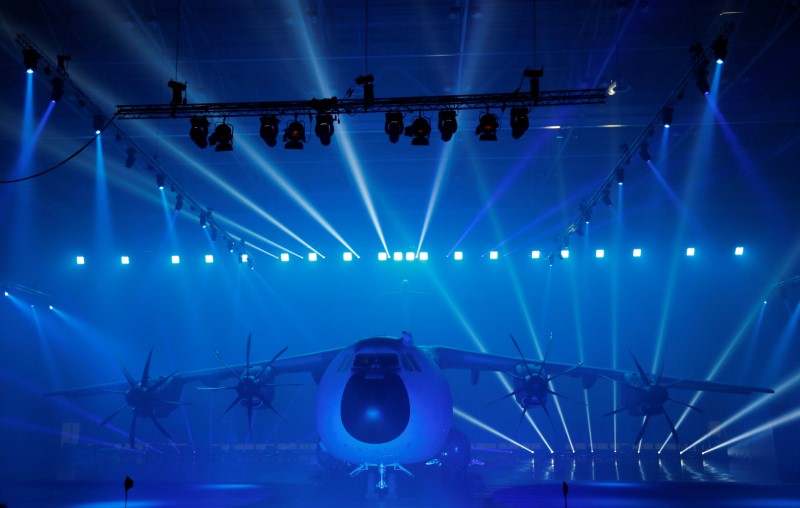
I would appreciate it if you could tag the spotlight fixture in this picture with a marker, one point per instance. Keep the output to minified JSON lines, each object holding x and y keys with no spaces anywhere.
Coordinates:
{"x":199,"y":131}
{"x":294,"y":136}
{"x":130,"y":158}
{"x":160,"y":179}
{"x":251,"y":264}
{"x":62,"y":60}
{"x":606,"y":196}
{"x":487,"y":127}
{"x":644,"y":153}
{"x":701,"y":80}
{"x":222,"y":137}
{"x":324,"y":128}
{"x":394,"y":125}
{"x":447,"y":124}
{"x":369,"y":88}
{"x":519,"y":122}
{"x":213,"y":235}
{"x":620,"y":176}
{"x":203,"y":220}
{"x":720,"y":49}
{"x":666,"y":116}
{"x":178,"y":90}
{"x":179,"y":202}
{"x":230,"y":245}
{"x":30,"y":59}
{"x":612,"y":88}
{"x":420,"y":130}
{"x":57,"y":90}
{"x":98,"y":122}
{"x":534,"y":75}
{"x":269,"y":129}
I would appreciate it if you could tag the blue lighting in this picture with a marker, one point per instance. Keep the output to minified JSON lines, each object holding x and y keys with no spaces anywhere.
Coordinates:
{"x":690,"y":251}
{"x":719,"y":61}
{"x":382,"y":256}
{"x":739,"y":251}
{"x":312,"y":256}
{"x":637,"y":253}
{"x":600,"y":253}
{"x":125,"y":260}
{"x":284,"y":257}
{"x":176,"y":260}
{"x":80,"y":260}
{"x":373,"y":414}
{"x":347,"y":256}
{"x":536,"y":254}
{"x":209,"y":258}
{"x":458,"y":255}
{"x":29,"y":71}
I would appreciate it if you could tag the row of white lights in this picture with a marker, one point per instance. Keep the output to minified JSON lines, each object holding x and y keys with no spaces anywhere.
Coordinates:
{"x":409,"y":256}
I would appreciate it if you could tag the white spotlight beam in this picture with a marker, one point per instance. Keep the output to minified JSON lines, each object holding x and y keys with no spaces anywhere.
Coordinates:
{"x":775,"y":422}
{"x":487,"y":428}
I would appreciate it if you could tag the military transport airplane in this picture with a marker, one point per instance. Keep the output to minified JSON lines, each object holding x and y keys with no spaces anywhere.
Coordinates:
{"x":383,"y":401}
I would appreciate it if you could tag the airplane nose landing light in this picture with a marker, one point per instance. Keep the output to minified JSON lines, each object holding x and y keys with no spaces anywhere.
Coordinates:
{"x":375,"y":409}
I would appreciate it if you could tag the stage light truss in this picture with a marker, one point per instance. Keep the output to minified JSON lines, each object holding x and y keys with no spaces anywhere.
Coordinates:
{"x":699,"y":60}
{"x":358,"y":106}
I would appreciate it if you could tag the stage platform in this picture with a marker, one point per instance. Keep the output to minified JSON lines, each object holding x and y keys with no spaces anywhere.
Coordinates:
{"x":494,"y":479}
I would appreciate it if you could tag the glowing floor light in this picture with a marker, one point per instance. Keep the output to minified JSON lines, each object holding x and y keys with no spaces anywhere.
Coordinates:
{"x":312,"y":256}
{"x":600,"y":253}
{"x":382,"y":256}
{"x":284,"y":257}
{"x":739,"y":251}
{"x":535,"y":254}
{"x":690,"y":251}
{"x":493,"y":255}
{"x":458,"y":255}
{"x":410,"y":256}
{"x":80,"y":260}
{"x":423,"y":256}
{"x":397,"y":256}
{"x":125,"y":260}
{"x":637,"y":253}
{"x":5,"y":293}
{"x":347,"y":256}
{"x":209,"y":258}
{"x":176,"y":260}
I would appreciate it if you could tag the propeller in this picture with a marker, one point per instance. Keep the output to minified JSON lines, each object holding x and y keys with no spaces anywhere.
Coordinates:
{"x":531,"y":389}
{"x":652,"y":396}
{"x":251,"y":391}
{"x":143,"y":398}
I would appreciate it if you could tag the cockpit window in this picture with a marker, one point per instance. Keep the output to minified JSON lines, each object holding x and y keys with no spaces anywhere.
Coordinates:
{"x":379,"y":361}
{"x":414,"y":363}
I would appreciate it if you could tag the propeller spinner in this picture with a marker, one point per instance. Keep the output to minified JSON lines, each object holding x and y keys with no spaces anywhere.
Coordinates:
{"x":142,"y":397}
{"x":251,"y":390}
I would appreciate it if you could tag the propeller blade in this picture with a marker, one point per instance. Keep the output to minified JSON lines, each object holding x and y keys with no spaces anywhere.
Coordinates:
{"x":171,"y":402}
{"x":522,"y":417}
{"x":133,"y":431}
{"x":565,"y":371}
{"x":547,"y":412}
{"x":219,"y":357}
{"x":146,"y":371}
{"x":645,"y":379}
{"x":546,"y":354}
{"x":280,"y":384}
{"x":161,"y":381}
{"x":249,"y":417}
{"x":235,"y":401}
{"x":112,"y":415}
{"x":265,"y":366}
{"x":212,"y":388}
{"x":640,"y":435}
{"x":503,"y":397}
{"x":660,"y":371}
{"x":274,"y":410}
{"x":247,"y":357}
{"x":623,"y":408}
{"x":128,"y":377}
{"x":161,"y":428}
{"x":687,"y":405}
{"x":671,"y":427}
{"x":551,"y":392}
{"x":528,"y":367}
{"x":121,"y":392}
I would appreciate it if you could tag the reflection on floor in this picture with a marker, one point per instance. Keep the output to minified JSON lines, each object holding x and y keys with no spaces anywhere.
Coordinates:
{"x":94,"y":479}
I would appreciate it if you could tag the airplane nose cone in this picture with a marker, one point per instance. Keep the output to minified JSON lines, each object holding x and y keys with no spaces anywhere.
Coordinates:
{"x":375,"y":410}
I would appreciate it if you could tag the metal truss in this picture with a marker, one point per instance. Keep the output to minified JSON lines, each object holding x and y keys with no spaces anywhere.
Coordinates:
{"x":356,"y":106}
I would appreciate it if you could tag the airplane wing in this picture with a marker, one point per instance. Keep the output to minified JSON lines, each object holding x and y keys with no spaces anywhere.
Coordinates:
{"x":451,"y":358}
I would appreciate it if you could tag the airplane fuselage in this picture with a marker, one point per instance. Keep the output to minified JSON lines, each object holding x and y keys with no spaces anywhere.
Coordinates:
{"x":383,"y":401}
